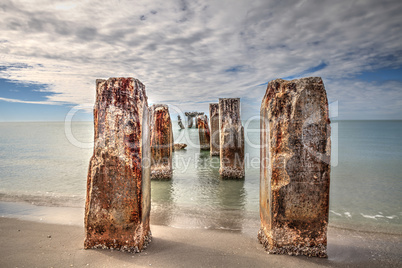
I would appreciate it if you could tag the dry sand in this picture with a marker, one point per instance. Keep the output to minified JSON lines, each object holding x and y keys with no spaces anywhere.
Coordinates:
{"x":33,"y":244}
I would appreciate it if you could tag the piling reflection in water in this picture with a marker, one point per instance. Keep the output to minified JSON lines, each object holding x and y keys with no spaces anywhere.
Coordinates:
{"x":197,"y":197}
{"x":225,"y":197}
{"x":163,"y":205}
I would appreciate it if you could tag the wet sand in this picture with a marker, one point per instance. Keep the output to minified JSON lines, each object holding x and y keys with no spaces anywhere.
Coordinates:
{"x":32,"y":244}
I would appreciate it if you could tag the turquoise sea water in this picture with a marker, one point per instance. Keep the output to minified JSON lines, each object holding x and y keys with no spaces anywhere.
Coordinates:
{"x":42,"y":165}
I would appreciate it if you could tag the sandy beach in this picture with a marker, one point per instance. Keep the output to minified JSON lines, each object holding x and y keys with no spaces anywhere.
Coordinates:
{"x":33,"y":244}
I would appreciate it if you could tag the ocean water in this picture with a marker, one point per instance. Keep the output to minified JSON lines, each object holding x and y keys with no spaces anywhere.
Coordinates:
{"x":45,"y":164}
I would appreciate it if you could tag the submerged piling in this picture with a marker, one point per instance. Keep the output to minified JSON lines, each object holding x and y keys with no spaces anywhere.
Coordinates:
{"x":161,"y":142}
{"x":214,"y":120}
{"x":118,"y":200}
{"x":231,"y":134}
{"x":203,"y":132}
{"x":295,"y":167}
{"x":190,"y":120}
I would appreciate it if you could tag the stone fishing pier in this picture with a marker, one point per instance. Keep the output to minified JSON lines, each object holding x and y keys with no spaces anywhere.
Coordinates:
{"x":134,"y":143}
{"x":295,"y":167}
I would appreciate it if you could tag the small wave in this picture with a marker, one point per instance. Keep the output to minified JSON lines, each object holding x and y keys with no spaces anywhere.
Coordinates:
{"x":348,"y":214}
{"x":46,"y":199}
{"x":378,"y":216}
{"x":391,"y":217}
{"x":336,"y":213}
{"x":368,"y":216}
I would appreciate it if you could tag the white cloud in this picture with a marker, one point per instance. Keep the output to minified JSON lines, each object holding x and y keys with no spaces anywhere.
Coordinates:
{"x":30,"y":102}
{"x":183,"y":51}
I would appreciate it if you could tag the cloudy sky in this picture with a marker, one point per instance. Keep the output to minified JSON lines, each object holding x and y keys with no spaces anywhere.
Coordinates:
{"x":190,"y":53}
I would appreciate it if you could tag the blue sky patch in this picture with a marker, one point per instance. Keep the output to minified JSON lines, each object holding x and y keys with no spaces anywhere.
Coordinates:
{"x":236,"y":69}
{"x":317,"y":68}
{"x":382,"y":75}
{"x":26,"y":92}
{"x":313,"y":69}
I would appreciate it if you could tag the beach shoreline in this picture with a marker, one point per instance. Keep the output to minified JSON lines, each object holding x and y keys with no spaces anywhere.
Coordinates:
{"x":35,"y":244}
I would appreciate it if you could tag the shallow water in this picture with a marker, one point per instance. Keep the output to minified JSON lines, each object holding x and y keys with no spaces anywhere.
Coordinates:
{"x":42,"y":165}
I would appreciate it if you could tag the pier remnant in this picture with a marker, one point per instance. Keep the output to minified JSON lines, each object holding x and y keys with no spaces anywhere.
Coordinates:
{"x":295,"y":167}
{"x":231,"y":134}
{"x":190,"y":121}
{"x":203,"y":132}
{"x":118,"y":200}
{"x":161,"y":142}
{"x":190,"y":118}
{"x":180,"y":122}
{"x":214,"y":120}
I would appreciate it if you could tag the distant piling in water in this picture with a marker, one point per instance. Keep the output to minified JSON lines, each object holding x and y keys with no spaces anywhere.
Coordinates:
{"x":295,"y":167}
{"x":161,"y":142}
{"x":179,"y":122}
{"x":118,"y":200}
{"x":214,"y":122}
{"x":203,"y":132}
{"x":190,"y":118}
{"x":231,"y":134}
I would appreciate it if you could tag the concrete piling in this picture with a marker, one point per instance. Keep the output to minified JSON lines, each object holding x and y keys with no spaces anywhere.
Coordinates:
{"x":231,"y":134}
{"x":118,"y":199}
{"x":203,"y":132}
{"x":161,"y":142}
{"x":214,"y":122}
{"x":295,"y":167}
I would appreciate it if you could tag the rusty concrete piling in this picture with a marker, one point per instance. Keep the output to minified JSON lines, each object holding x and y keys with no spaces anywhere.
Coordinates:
{"x":118,"y":200}
{"x":214,"y":122}
{"x":161,"y":142}
{"x":203,"y":132}
{"x":231,"y":132}
{"x":295,"y":167}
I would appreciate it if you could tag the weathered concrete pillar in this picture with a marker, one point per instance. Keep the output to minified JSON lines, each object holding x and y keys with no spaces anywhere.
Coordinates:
{"x":118,"y":186}
{"x":161,"y":142}
{"x":203,"y":132}
{"x":231,"y":139}
{"x":214,"y":119}
{"x":180,"y":122}
{"x":196,"y":120}
{"x":295,"y":167}
{"x":190,"y":121}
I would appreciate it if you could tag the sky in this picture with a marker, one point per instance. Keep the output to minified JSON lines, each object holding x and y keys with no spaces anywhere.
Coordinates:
{"x":191,"y":53}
